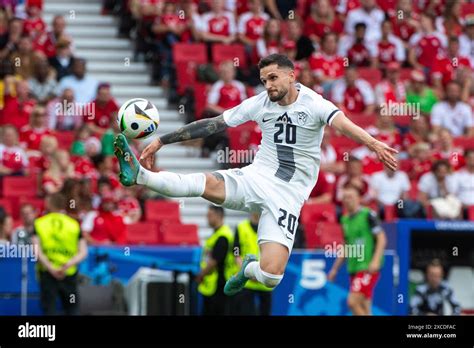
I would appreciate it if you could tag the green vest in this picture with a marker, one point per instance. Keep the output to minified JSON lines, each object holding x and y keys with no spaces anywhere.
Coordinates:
{"x":357,"y":231}
{"x":208,"y":285}
{"x":249,"y":245}
{"x":59,"y":237}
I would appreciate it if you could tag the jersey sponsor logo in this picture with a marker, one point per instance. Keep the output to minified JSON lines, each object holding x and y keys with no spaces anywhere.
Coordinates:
{"x":266,"y":120}
{"x":284,"y":118}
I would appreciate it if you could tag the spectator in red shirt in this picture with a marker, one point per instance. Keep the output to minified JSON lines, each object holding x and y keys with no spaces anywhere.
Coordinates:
{"x":385,"y":131}
{"x":105,"y":108}
{"x":418,"y":132}
{"x":48,"y":146}
{"x":451,"y":66}
{"x":420,"y":161}
{"x":390,"y":48}
{"x":218,"y":25}
{"x":227,"y":92}
{"x":271,"y":40}
{"x":63,"y":112}
{"x":60,"y":169}
{"x":445,"y":149}
{"x":31,"y":134}
{"x":353,"y":94}
{"x":47,"y":41}
{"x":425,"y":44}
{"x":128,"y":206}
{"x":391,"y":89}
{"x":329,"y":162}
{"x":107,"y":227}
{"x":326,"y":65}
{"x":251,"y":24}
{"x":307,"y":79}
{"x":359,"y":51}
{"x":353,"y":177}
{"x":105,"y":168}
{"x":322,"y":191}
{"x":17,"y":104}
{"x":13,"y":160}
{"x":34,"y":25}
{"x":450,"y":22}
{"x":322,"y":20}
{"x":405,"y":26}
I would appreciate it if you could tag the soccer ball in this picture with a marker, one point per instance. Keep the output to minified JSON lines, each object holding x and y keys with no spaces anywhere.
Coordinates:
{"x":138,"y":118}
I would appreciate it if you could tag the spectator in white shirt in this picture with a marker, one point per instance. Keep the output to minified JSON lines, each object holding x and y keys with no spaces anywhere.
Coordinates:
{"x":466,"y":40}
{"x":389,"y":187}
{"x":436,"y":184}
{"x":452,"y":113}
{"x":464,"y":181}
{"x":367,"y":13}
{"x":84,"y":87}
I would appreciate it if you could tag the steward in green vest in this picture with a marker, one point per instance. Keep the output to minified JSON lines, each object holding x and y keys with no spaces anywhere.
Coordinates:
{"x":246,"y":242}
{"x":60,"y":248}
{"x":364,"y":245}
{"x":217,"y":264}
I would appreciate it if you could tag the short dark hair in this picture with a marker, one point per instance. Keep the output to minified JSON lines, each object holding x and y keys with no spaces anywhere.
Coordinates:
{"x":279,"y":59}
{"x":468,"y":151}
{"x":434,"y":263}
{"x":360,"y":25}
{"x":440,"y":163}
{"x":217,"y":209}
{"x":56,"y":201}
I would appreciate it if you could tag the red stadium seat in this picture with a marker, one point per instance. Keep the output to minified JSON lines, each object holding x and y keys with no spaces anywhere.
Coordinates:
{"x":65,"y":139}
{"x":362,"y":120}
{"x":143,"y":233}
{"x":7,"y":205}
{"x":316,"y":212}
{"x":38,"y":203}
{"x":371,"y":75}
{"x":157,"y":210}
{"x":470,"y":213}
{"x":343,"y":145}
{"x":185,"y":75}
{"x":200,"y":99}
{"x":18,"y":186}
{"x":312,"y":236}
{"x":235,"y":53}
{"x":390,"y":213}
{"x":464,"y":142}
{"x":186,"y":52}
{"x":179,"y":234}
{"x":330,"y":232}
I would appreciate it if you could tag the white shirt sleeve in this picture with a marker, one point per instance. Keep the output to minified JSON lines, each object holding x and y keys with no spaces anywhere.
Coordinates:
{"x":242,"y":22}
{"x":213,"y":96}
{"x":468,"y":120}
{"x":405,"y":182}
{"x":338,"y":90}
{"x":350,"y":22}
{"x":324,"y":110}
{"x":400,"y":52}
{"x":245,"y":111}
{"x":232,"y":28}
{"x":87,"y":224}
{"x":436,"y":115}
{"x":425,"y":184}
{"x":366,"y":91}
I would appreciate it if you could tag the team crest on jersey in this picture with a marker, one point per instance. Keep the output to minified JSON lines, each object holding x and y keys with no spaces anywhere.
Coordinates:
{"x":302,"y":117}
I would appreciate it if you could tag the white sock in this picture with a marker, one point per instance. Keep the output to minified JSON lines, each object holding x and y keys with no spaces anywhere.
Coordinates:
{"x":172,"y":184}
{"x":253,"y":271}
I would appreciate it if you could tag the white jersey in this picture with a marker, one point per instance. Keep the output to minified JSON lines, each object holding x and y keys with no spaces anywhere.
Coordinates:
{"x":291,"y":135}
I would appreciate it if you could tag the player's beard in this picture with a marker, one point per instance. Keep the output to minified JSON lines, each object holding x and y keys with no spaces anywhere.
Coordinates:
{"x":278,"y":97}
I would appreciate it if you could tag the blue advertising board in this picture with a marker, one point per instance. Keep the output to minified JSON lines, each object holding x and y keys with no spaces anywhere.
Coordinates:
{"x":305,"y":289}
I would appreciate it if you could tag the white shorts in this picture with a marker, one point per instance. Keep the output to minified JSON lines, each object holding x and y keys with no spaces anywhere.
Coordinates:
{"x":250,"y":191}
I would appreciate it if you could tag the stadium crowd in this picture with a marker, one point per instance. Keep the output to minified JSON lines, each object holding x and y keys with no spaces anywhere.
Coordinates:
{"x":401,"y":69}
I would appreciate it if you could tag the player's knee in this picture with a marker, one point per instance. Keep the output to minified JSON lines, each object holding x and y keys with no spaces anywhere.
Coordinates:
{"x":353,"y":301}
{"x":272,"y":276}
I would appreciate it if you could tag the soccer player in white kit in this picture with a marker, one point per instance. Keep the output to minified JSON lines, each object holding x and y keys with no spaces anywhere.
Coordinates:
{"x":292,"y":118}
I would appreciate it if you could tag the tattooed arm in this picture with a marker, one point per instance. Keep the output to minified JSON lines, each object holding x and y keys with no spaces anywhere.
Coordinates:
{"x":194,"y":130}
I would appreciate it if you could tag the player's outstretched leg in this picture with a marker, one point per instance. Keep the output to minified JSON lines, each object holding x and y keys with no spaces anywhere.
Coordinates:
{"x":129,"y":165}
{"x":237,"y":282}
{"x":165,"y":183}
